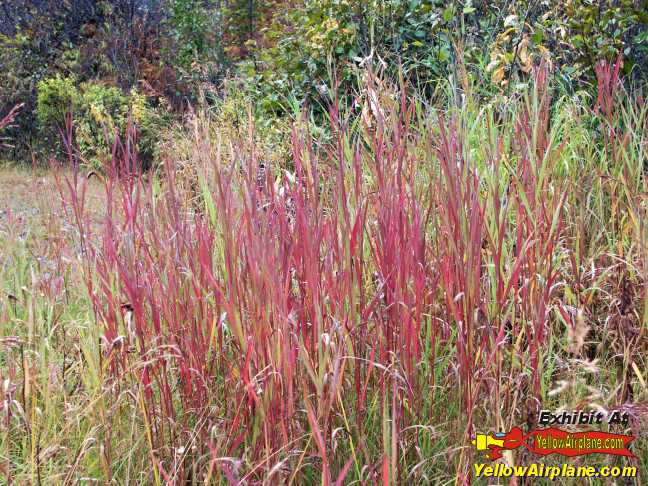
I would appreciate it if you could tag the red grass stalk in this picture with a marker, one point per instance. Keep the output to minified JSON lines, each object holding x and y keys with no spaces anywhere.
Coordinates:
{"x":243,"y":327}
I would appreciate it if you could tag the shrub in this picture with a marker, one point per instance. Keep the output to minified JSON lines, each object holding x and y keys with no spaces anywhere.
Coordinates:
{"x":56,"y":98}
{"x":150,"y":121}
{"x":600,"y":30}
{"x":189,"y":24}
{"x":297,"y":60}
{"x":105,"y":116}
{"x":101,"y":119}
{"x":100,"y":116}
{"x":496,"y":41}
{"x":574,"y":35}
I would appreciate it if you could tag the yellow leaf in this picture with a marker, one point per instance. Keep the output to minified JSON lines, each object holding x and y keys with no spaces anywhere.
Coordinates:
{"x":524,"y":56}
{"x":498,"y":75}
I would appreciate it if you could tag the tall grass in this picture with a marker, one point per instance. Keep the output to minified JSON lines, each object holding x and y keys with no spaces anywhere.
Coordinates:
{"x":359,"y":312}
{"x":7,"y":122}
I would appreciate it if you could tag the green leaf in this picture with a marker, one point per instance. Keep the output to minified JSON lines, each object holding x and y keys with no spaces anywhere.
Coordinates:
{"x":448,"y":13}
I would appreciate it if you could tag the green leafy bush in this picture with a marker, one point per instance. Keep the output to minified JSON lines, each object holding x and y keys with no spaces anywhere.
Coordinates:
{"x":100,"y":115}
{"x":486,"y":44}
{"x":189,"y":24}
{"x":106,"y":113}
{"x":151,"y":118}
{"x":572,"y":35}
{"x":602,"y":30}
{"x":345,"y":34}
{"x":56,"y":97}
{"x":196,"y":51}
{"x":101,"y":118}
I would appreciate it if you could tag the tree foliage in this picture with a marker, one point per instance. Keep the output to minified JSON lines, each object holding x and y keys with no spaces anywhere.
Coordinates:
{"x":174,"y":51}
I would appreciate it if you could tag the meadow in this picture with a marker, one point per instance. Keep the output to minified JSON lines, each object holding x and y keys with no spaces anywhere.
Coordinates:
{"x":349,"y":306}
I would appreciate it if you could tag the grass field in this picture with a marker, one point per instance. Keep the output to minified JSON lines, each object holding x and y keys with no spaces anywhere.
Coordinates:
{"x":352,"y":314}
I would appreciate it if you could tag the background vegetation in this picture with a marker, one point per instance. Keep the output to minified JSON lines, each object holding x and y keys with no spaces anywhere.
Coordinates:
{"x":318,"y":242}
{"x":95,"y":59}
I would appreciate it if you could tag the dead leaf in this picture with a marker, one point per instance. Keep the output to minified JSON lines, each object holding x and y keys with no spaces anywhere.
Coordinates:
{"x":577,"y":333}
{"x":498,"y":75}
